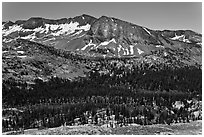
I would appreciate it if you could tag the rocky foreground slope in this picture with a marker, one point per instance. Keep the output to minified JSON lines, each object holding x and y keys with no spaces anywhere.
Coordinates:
{"x":193,"y":128}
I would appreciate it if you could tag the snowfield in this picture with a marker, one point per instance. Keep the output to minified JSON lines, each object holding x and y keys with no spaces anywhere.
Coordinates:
{"x":58,"y":29}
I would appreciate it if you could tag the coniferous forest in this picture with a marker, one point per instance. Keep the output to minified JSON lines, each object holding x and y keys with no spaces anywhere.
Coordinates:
{"x":138,"y":96}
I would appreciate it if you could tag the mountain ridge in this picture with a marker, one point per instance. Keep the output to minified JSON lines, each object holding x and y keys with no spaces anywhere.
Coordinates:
{"x":86,"y":37}
{"x":120,"y":38}
{"x":21,"y":21}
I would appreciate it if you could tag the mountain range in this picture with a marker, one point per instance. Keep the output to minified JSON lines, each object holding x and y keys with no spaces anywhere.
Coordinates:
{"x":70,"y":47}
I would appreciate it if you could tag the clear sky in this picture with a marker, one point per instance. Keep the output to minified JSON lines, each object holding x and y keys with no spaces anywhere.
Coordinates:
{"x":155,"y":15}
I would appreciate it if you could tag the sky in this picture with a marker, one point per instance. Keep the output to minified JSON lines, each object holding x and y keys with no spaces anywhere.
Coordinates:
{"x":155,"y":15}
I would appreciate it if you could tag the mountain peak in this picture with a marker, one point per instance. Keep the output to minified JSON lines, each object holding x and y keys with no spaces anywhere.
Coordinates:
{"x":104,"y":17}
{"x":33,"y":22}
{"x":86,"y":15}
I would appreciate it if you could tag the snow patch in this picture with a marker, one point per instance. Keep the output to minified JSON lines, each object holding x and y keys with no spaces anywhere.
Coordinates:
{"x":113,"y":40}
{"x":124,"y":53}
{"x":140,"y":51}
{"x":81,"y":36}
{"x":186,"y":40}
{"x":159,"y":46}
{"x":66,"y":28}
{"x":15,"y":28}
{"x":147,"y":31}
{"x":18,"y":47}
{"x":89,"y":44}
{"x":104,"y":43}
{"x":47,"y":27}
{"x":39,"y":29}
{"x":60,"y":29}
{"x":21,"y":52}
{"x":69,"y":28}
{"x":127,"y":51}
{"x":177,"y":37}
{"x":53,"y":38}
{"x":107,"y":42}
{"x":180,"y":37}
{"x":53,"y":27}
{"x":11,"y":29}
{"x":119,"y":48}
{"x":32,"y":36}
{"x":189,"y":101}
{"x":5,"y":51}
{"x":131,"y":49}
{"x":22,"y":56}
{"x":165,"y":54}
{"x":85,"y":28}
{"x":77,"y":33}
